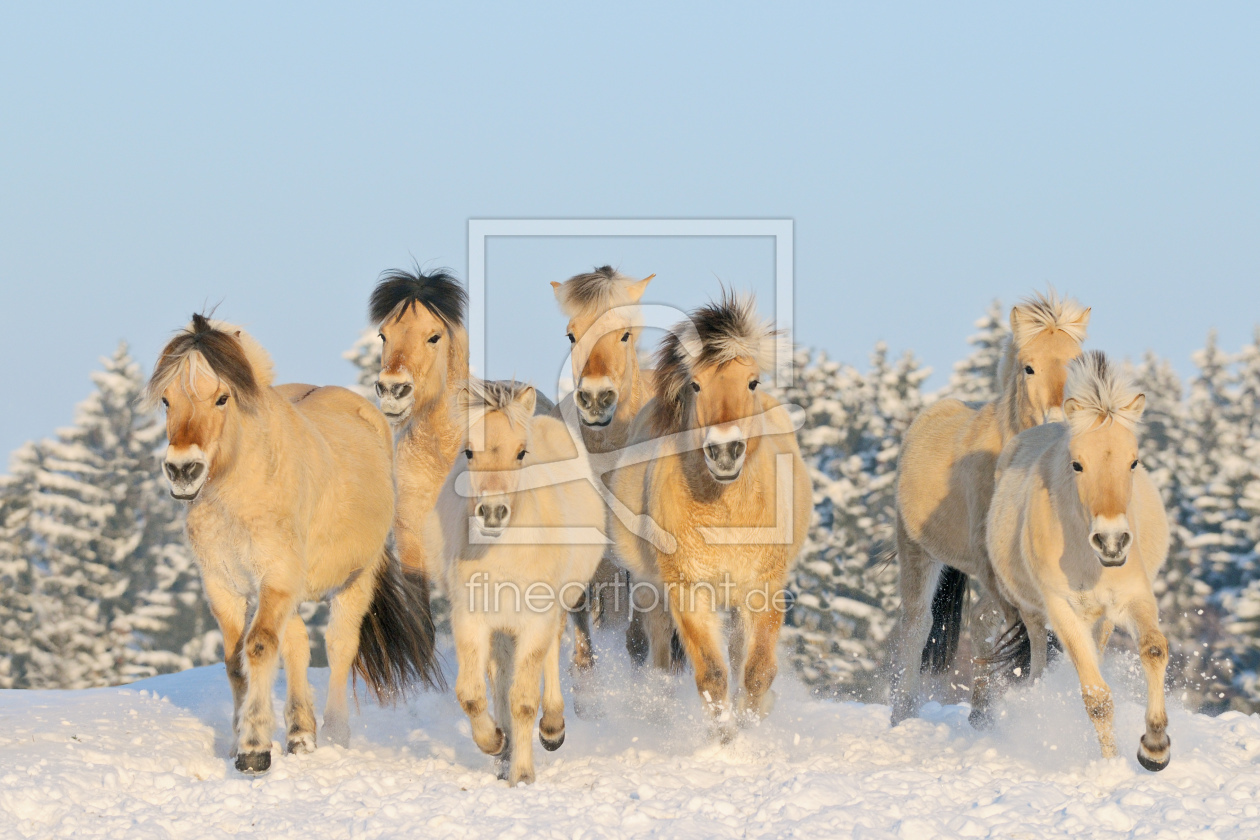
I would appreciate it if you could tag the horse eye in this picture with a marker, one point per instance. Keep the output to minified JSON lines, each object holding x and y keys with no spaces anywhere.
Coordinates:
{"x":468,"y":454}
{"x":752,"y":386}
{"x":166,"y":402}
{"x":572,"y":340}
{"x":222,"y":400}
{"x":695,"y":386}
{"x":626,"y":337}
{"x":381,"y":336}
{"x":1133,"y":466}
{"x":434,"y":339}
{"x":520,"y":456}
{"x":1028,"y":370}
{"x":1076,"y":465}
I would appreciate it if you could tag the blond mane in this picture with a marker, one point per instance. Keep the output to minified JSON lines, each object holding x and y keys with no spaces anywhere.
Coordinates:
{"x":480,"y":397}
{"x":595,"y":292}
{"x":715,"y":334}
{"x":1101,"y":393}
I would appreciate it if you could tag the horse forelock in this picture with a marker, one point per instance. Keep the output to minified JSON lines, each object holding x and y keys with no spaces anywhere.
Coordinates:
{"x":212,"y":348}
{"x":595,"y":292}
{"x":480,"y":397}
{"x":398,"y":290}
{"x":1040,"y":312}
{"x":1103,"y":393}
{"x":716,"y":333}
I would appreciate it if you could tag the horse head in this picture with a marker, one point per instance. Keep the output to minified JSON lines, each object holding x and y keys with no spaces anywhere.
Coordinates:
{"x":498,"y":417}
{"x":1046,"y":334}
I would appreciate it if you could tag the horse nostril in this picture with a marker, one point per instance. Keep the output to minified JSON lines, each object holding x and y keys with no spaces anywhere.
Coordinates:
{"x":737,"y":448}
{"x":1096,"y":540}
{"x":172,"y":471}
{"x":482,"y":511}
{"x":1122,"y":541}
{"x":193,"y":471}
{"x":714,"y":451}
{"x":607,"y":398}
{"x":401,"y":390}
{"x":501,"y":512}
{"x":381,"y":388}
{"x":583,"y":399}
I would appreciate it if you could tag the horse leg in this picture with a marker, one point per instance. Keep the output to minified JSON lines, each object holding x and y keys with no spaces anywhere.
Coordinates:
{"x":737,"y":651}
{"x":700,"y":630}
{"x":1102,"y":635}
{"x":472,"y":652}
{"x":1155,"y":748}
{"x":660,"y":632}
{"x":299,"y":707}
{"x":643,"y":598}
{"x":551,"y":727}
{"x":228,"y":609}
{"x":1038,"y":644}
{"x":583,"y":658}
{"x":1079,"y":644}
{"x":523,"y":696}
{"x":502,"y":673}
{"x":919,"y":575}
{"x":262,"y":658}
{"x":762,"y":666}
{"x":990,"y":615}
{"x":342,"y":641}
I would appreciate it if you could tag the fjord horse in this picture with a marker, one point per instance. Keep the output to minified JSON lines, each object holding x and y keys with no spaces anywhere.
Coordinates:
{"x":1077,"y":532}
{"x":944,"y":483}
{"x":520,"y":543}
{"x":290,"y":494}
{"x":609,"y":388}
{"x":729,"y":487}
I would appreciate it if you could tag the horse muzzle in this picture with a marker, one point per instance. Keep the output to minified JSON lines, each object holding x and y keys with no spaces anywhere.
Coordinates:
{"x":186,"y":475}
{"x":596,"y":406}
{"x":1111,"y":545}
{"x":396,"y":399}
{"x":724,"y":452}
{"x":492,"y":517}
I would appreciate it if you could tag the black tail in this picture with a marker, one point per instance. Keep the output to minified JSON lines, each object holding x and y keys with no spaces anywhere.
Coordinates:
{"x":1012,"y":655}
{"x":947,"y":609}
{"x":396,"y":638}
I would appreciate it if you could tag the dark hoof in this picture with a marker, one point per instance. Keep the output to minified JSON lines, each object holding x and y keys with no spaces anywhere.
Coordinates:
{"x":899,"y":714}
{"x":1152,"y":762}
{"x":981,"y":719}
{"x":253,"y":763}
{"x":550,"y":744}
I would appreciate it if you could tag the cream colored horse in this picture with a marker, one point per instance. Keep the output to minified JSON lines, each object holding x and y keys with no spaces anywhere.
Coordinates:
{"x":521,"y":540}
{"x":609,"y":389}
{"x":424,"y":362}
{"x":944,"y":483}
{"x":291,"y":499}
{"x":1077,"y":533}
{"x":732,"y":496}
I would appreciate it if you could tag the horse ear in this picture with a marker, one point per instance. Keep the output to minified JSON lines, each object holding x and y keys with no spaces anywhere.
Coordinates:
{"x":527,"y":398}
{"x":1016,"y":317}
{"x":1138,"y":403}
{"x":636,"y":290}
{"x":555,"y":287}
{"x":1083,"y":320}
{"x":1070,"y":406}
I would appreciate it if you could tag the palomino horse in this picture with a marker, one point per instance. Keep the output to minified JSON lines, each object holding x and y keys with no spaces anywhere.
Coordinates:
{"x":729,"y":486}
{"x":424,"y":362}
{"x":291,"y":499}
{"x":944,"y":483}
{"x":609,"y":389}
{"x":511,"y":575}
{"x":1077,"y":533}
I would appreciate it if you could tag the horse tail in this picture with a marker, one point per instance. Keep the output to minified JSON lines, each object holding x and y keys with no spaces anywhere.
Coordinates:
{"x":947,"y":614}
{"x":1011,"y":659}
{"x":397,"y":639}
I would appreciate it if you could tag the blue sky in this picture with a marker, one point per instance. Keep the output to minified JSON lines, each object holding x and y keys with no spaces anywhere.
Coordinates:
{"x":273,"y":160}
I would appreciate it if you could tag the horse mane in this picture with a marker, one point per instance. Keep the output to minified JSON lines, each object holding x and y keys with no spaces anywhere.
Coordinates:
{"x":714,"y":334}
{"x":226,"y":351}
{"x":595,"y":292}
{"x":398,"y":290}
{"x":480,"y":397}
{"x":1037,"y":313}
{"x":1103,"y":393}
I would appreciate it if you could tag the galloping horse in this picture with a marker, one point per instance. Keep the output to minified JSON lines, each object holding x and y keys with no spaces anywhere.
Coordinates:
{"x":510,"y":576}
{"x":291,"y":499}
{"x":944,"y":483}
{"x":1077,"y":533}
{"x":729,"y":485}
{"x":609,"y":390}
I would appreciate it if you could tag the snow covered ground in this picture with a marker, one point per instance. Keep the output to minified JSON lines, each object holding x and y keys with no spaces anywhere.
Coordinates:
{"x":150,"y":760}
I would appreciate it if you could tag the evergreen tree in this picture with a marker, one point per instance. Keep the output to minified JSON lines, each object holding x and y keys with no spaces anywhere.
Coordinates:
{"x":975,"y":379}
{"x":365,"y":355}
{"x":17,"y":573}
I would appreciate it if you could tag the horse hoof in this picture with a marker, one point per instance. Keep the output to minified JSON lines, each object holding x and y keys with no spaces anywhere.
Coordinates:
{"x":1154,"y":760}
{"x":301,"y":743}
{"x":522,"y":779}
{"x":254,"y":763}
{"x":980,"y":719}
{"x":551,"y":744}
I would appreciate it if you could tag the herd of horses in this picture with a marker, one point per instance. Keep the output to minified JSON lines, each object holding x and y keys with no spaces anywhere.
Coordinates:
{"x":676,"y":496}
